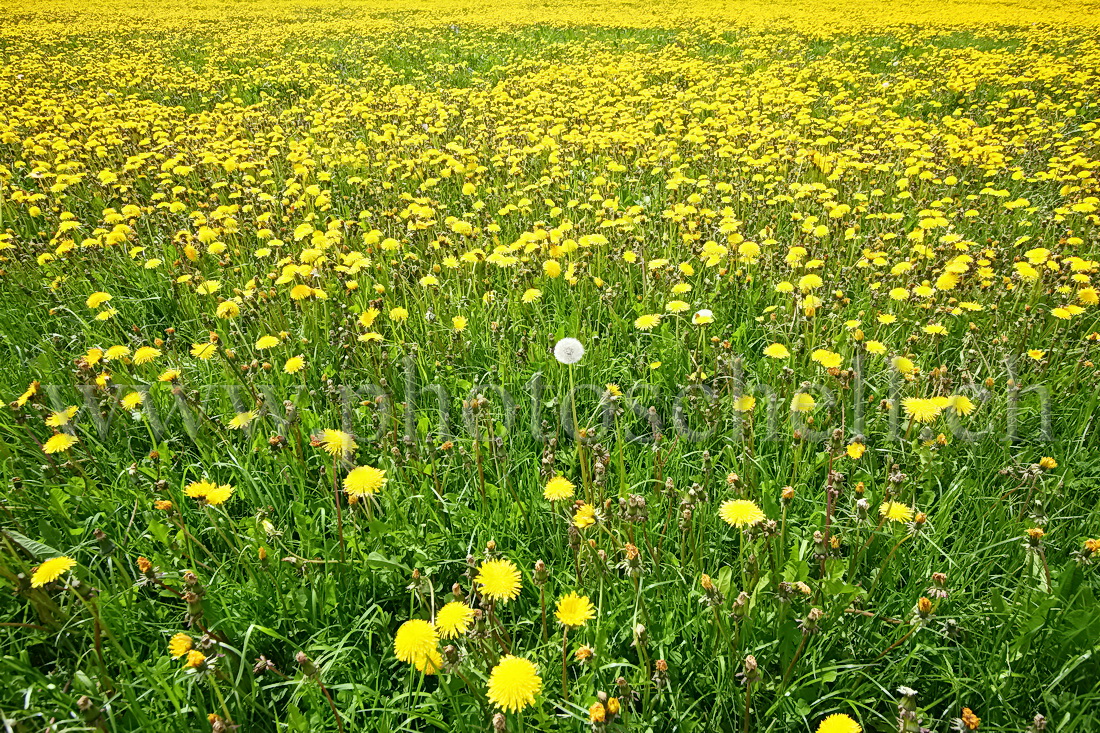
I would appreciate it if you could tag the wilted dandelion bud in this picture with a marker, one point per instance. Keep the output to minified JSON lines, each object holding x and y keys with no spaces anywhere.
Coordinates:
{"x":741,"y":604}
{"x":632,"y":560}
{"x":939,"y":586}
{"x":88,"y":709}
{"x":923,"y":609}
{"x":1090,"y":548}
{"x":490,"y":547}
{"x":812,"y":623}
{"x":500,"y":723}
{"x":837,"y":439}
{"x":660,"y":674}
{"x":309,"y":669}
{"x":1038,"y":724}
{"x":787,"y":494}
{"x":967,"y":721}
{"x":750,"y":672}
{"x":712,"y":597}
{"x":908,"y":722}
{"x":862,"y":506}
{"x":821,"y":549}
{"x":263,"y":664}
{"x":639,"y":635}
{"x":541,"y":574}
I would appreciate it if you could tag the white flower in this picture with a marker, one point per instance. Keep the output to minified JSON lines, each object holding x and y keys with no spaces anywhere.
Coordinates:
{"x":568,"y":351}
{"x":702,"y":317}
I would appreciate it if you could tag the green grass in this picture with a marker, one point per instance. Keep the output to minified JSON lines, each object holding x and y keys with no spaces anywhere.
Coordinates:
{"x":277,"y":572}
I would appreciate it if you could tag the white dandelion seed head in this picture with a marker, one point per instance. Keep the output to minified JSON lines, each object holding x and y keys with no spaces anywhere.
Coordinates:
{"x":568,"y":351}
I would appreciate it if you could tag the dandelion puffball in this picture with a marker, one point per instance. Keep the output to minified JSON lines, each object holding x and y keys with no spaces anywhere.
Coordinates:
{"x":568,"y":351}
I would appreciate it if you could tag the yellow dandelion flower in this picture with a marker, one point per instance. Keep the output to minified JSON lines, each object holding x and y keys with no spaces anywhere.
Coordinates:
{"x":199,"y":489}
{"x":585,"y":516}
{"x":904,"y":365}
{"x":61,"y":417}
{"x":58,"y":443}
{"x":179,"y":645}
{"x":366,"y":318}
{"x":962,"y":405}
{"x":647,"y":322}
{"x":293,"y":365}
{"x":740,"y":512}
{"x":574,"y":610}
{"x":777,"y":351}
{"x":218,"y":495}
{"x":856,"y":450}
{"x":267,"y":342}
{"x":146,"y":354}
{"x":415,"y":639}
{"x":514,"y":683}
{"x":51,"y":570}
{"x":336,"y":443}
{"x":195,"y":659}
{"x":921,"y":410}
{"x":803,"y":402}
{"x":459,"y":323}
{"x":227,"y":309}
{"x":364,"y":481}
{"x":430,"y":663}
{"x":97,"y":299}
{"x":499,"y":580}
{"x":116,"y":352}
{"x":896,"y":511}
{"x":839,"y":723}
{"x":454,"y":619}
{"x":826,"y":358}
{"x":203,"y":351}
{"x":241,"y":420}
{"x":558,"y":488}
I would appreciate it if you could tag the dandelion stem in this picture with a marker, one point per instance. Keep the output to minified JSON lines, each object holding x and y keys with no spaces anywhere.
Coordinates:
{"x":336,"y":499}
{"x":565,"y":662}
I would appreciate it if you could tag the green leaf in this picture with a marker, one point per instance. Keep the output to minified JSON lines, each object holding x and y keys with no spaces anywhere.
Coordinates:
{"x":37,"y":549}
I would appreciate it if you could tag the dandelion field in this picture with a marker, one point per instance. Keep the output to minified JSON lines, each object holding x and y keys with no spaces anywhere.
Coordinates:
{"x":376,"y":366}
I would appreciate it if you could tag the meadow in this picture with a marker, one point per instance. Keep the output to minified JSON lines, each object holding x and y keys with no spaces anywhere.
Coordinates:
{"x":390,"y":366}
